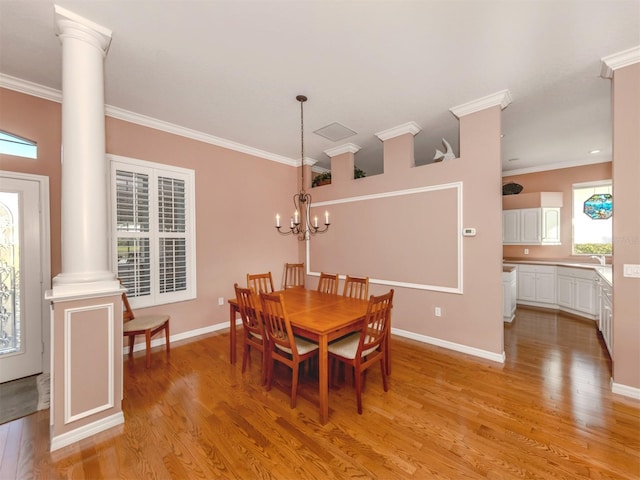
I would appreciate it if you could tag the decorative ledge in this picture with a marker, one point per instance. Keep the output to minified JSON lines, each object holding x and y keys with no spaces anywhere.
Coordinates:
{"x":502,"y":98}
{"x":410,"y":127}
{"x":618,"y":60}
{"x":346,"y":148}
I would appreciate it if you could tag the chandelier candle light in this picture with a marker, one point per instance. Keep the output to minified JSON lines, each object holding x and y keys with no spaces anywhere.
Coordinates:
{"x":301,"y":224}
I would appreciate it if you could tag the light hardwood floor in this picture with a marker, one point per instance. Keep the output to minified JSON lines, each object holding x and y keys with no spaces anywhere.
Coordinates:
{"x":547,"y":413}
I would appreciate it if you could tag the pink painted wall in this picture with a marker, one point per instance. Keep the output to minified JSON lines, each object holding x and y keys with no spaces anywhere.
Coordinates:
{"x":560,"y":180}
{"x":40,"y":121}
{"x":626,"y":225}
{"x":474,"y":318}
{"x":237,"y":197}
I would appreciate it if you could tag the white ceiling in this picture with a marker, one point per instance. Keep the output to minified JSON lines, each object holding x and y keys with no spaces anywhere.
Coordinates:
{"x":232,"y":69}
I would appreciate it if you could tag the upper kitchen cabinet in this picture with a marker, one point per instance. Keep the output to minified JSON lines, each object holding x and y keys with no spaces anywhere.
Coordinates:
{"x":531,"y":218}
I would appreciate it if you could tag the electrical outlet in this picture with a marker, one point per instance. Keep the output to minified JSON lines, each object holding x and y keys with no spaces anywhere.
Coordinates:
{"x":526,"y":251}
{"x":220,"y":300}
{"x":438,"y":312}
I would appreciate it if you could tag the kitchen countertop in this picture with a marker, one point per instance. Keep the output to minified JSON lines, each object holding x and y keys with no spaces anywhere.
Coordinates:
{"x":604,"y":271}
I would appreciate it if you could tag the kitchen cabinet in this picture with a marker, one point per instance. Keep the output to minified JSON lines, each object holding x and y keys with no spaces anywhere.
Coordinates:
{"x":531,"y":226}
{"x":509,"y":293}
{"x":576,"y":291}
{"x":536,"y":284}
{"x":605,"y":314}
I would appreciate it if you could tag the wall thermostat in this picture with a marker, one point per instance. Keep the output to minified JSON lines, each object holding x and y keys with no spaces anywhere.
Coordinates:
{"x":469,"y":232}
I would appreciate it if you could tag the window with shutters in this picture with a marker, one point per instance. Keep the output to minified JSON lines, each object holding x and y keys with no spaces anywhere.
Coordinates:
{"x":154,"y":231}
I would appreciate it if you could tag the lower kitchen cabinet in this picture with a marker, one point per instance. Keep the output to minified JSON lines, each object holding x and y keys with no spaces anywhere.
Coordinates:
{"x":605,"y":315}
{"x":576,"y":291}
{"x":537,"y":284}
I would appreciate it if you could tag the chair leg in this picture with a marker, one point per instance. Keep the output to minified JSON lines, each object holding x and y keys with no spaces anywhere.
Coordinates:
{"x":358,"y":378}
{"x":147,"y":336}
{"x":383,"y":365}
{"x":246,"y":354}
{"x":166,"y":337}
{"x":132,"y":341}
{"x":269,"y":373}
{"x":265,"y":361}
{"x":294,"y":384}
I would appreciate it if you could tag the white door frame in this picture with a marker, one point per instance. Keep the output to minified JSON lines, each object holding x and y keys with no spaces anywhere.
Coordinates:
{"x":45,"y":255}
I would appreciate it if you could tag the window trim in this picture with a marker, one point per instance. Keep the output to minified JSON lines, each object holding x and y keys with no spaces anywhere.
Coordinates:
{"x":593,"y":183}
{"x":117,"y":162}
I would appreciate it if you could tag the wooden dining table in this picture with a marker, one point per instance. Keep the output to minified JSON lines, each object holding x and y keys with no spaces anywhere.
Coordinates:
{"x":320,"y":317}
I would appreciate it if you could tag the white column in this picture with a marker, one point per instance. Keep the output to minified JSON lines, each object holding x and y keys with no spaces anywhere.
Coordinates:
{"x":85,"y":236}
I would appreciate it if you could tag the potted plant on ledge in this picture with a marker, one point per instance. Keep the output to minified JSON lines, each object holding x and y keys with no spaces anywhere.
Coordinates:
{"x":325,"y":177}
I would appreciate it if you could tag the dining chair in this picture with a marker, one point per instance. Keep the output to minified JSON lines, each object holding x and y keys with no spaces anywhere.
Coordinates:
{"x":356,"y":287}
{"x":283,"y":345}
{"x":254,"y":333}
{"x":147,"y":325}
{"x":293,"y":275}
{"x":328,"y":283}
{"x":365,"y":348}
{"x":260,"y":282}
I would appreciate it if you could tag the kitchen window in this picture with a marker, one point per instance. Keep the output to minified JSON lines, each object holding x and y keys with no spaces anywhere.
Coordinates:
{"x":154,"y":232}
{"x":592,"y":218}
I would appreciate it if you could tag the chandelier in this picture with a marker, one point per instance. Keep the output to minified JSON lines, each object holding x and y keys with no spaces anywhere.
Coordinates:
{"x":301,"y":223}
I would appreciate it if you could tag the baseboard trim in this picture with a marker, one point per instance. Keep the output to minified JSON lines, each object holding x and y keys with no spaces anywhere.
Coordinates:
{"x":626,"y":390}
{"x":180,"y":336}
{"x":86,"y":431}
{"x":457,"y":347}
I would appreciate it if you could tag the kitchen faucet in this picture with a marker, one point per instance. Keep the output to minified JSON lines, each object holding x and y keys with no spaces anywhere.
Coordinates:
{"x":601,"y":259}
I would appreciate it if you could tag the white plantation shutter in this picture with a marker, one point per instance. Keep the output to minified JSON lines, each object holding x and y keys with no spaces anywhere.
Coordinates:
{"x":171,"y":225}
{"x":154,"y":231}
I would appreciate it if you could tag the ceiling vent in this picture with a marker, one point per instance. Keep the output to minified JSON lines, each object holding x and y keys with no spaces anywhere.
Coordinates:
{"x":335,"y":131}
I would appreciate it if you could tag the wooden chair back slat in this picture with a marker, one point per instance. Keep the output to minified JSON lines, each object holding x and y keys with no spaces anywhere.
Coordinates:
{"x":328,"y":283}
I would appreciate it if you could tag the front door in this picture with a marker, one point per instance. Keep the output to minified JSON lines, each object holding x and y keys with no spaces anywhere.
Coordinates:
{"x":21,"y":295}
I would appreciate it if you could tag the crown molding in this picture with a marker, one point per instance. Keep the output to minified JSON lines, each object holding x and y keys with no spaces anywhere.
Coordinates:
{"x":553,"y":166}
{"x":611,"y":63}
{"x":502,"y":98}
{"x":410,"y":127}
{"x":195,"y":135}
{"x":33,"y":89}
{"x":30,"y":88}
{"x":346,"y":148}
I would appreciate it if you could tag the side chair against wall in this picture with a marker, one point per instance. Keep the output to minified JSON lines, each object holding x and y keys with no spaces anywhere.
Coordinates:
{"x":253,"y":330}
{"x":284,"y":346}
{"x":260,"y":282}
{"x":147,"y":325}
{"x":328,"y":283}
{"x":293,"y":275}
{"x":363,"y":349}
{"x":356,"y":287}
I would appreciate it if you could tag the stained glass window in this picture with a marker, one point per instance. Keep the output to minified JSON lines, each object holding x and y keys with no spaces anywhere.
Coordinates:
{"x":599,"y":206}
{"x":592,"y":218}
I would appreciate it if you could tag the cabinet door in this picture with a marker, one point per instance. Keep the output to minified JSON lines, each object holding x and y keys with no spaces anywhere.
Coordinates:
{"x":607,"y":325}
{"x":565,"y":291}
{"x":546,"y":287}
{"x":550,"y":225}
{"x":527,"y":286}
{"x":585,"y":296}
{"x":513,"y":286}
{"x":530,"y":225}
{"x":510,"y":226}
